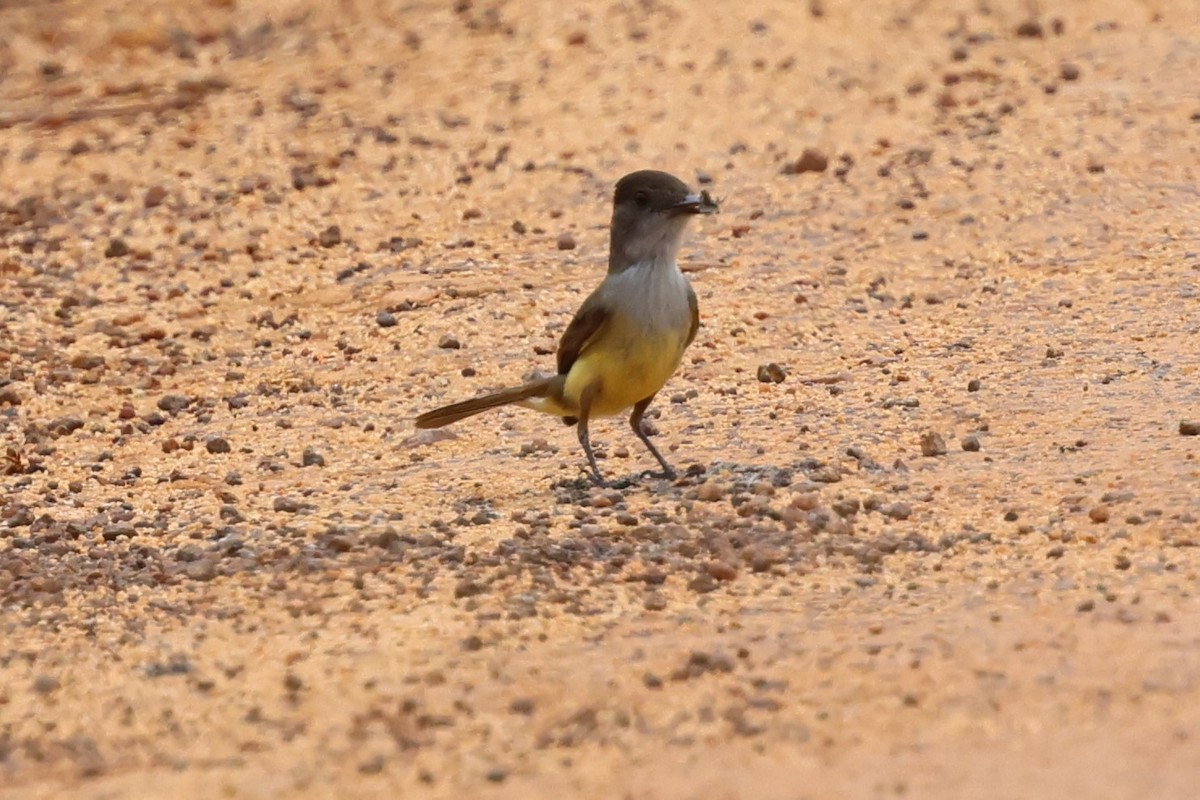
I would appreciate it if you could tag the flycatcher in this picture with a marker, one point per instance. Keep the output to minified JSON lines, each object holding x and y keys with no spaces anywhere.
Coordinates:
{"x":629,"y":335}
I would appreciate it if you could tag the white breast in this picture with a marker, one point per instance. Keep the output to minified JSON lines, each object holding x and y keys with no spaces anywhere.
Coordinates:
{"x":654,"y":296}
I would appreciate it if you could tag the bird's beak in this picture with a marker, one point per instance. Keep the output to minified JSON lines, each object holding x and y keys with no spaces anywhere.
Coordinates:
{"x":701,"y":203}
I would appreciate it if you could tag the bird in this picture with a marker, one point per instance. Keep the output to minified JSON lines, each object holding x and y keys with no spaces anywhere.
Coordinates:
{"x":629,"y":335}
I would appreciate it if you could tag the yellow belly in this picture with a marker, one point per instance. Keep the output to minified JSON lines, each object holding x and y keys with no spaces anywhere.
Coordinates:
{"x":627,"y":368}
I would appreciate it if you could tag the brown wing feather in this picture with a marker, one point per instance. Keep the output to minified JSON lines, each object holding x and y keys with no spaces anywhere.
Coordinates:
{"x":588,"y":321}
{"x":695,"y":308}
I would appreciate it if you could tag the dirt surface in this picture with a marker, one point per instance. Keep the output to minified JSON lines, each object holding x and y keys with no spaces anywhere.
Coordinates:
{"x":937,"y":526}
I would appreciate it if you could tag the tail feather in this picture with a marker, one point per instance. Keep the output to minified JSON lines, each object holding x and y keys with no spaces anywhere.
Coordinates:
{"x":446,"y":415}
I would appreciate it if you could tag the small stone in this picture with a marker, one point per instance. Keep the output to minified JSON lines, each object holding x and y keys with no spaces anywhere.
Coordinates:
{"x":312,"y":458}
{"x":217,"y":444}
{"x":1098,"y":513}
{"x":174,"y":403}
{"x":330,"y":237}
{"x":117,"y":530}
{"x":932,"y":444}
{"x":565,"y":242}
{"x":710,"y":491}
{"x":522,"y":705}
{"x":86,"y":362}
{"x":811,"y":160}
{"x":970,"y":443}
{"x":721,"y":570}
{"x":1189,"y":427}
{"x":288,"y":505}
{"x":974,"y":385}
{"x":497,"y":775}
{"x":385,"y":319}
{"x":205,"y":569}
{"x":1069,"y":72}
{"x":448,"y":342}
{"x":117,"y":248}
{"x":1086,"y":605}
{"x":64,"y":426}
{"x":771,"y":373}
{"x":154,"y":197}
{"x":519,"y":227}
{"x":703,"y":583}
{"x":127,"y":411}
{"x":468,"y":588}
{"x":897,"y":510}
{"x":9,"y":396}
{"x":292,"y":682}
{"x":654,"y":601}
{"x":45,"y":684}
{"x":372,"y":766}
{"x":1030,"y":29}
{"x":1122,"y":562}
{"x":471,"y":643}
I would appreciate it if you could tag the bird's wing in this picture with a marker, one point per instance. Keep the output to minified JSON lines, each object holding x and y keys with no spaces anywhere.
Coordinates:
{"x":589,"y":320}
{"x":695,"y":309}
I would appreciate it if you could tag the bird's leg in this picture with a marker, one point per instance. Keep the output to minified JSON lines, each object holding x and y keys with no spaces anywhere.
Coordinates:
{"x":635,"y":422}
{"x":585,"y":407}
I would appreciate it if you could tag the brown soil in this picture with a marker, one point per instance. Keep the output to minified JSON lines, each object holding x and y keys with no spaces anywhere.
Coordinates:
{"x":243,"y":243}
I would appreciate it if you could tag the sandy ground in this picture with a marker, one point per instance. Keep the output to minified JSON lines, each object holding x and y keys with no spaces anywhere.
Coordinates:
{"x":952,"y":553}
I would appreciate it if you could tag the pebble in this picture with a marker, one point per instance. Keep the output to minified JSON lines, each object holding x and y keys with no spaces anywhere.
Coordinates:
{"x":811,"y":160}
{"x":654,"y":601}
{"x":1069,"y":72}
{"x":154,"y":197}
{"x":288,"y":505}
{"x":974,"y":385}
{"x":1099,"y":513}
{"x":45,"y":684}
{"x":86,"y":362}
{"x":1030,"y":29}
{"x":970,"y":443}
{"x":203,"y":570}
{"x":565,"y":242}
{"x":1122,"y":562}
{"x":117,"y":530}
{"x":710,"y":491}
{"x":385,"y":319}
{"x":448,"y":342}
{"x":897,"y":510}
{"x":64,"y":426}
{"x":806,"y":501}
{"x":1189,"y":427}
{"x":174,"y":403}
{"x":721,"y":570}
{"x":312,"y":458}
{"x":522,"y":705}
{"x":127,"y":411}
{"x":9,"y":396}
{"x":932,"y":444}
{"x":330,"y":237}
{"x":373,"y":765}
{"x":771,"y":373}
{"x":117,"y":248}
{"x":217,"y":444}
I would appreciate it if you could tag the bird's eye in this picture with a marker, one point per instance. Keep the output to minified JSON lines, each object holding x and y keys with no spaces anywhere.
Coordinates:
{"x":642,"y":199}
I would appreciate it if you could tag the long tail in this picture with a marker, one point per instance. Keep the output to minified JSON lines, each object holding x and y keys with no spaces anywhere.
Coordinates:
{"x":445,"y":415}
